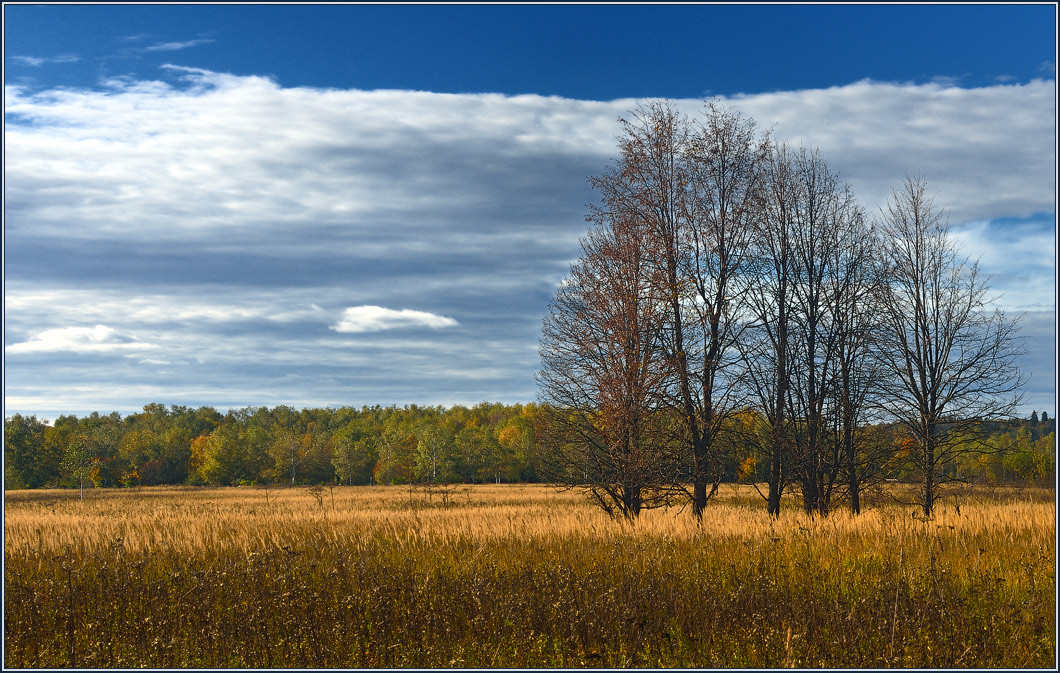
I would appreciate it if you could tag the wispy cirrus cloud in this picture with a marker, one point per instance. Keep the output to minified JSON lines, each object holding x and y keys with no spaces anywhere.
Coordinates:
{"x":176,"y":46}
{"x":376,"y":319}
{"x":37,"y":61}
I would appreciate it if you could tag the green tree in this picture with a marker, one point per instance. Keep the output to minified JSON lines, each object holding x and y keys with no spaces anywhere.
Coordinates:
{"x":78,"y":461}
{"x":222,"y":457}
{"x":317,"y":467}
{"x":1044,"y":454}
{"x":254,"y":442}
{"x":102,"y":435}
{"x":395,"y":455}
{"x":57,"y":438}
{"x":29,"y":462}
{"x":354,"y":454}
{"x":434,"y":452}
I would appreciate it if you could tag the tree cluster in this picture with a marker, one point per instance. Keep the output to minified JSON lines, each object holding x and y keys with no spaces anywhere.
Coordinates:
{"x":734,"y":305}
{"x":180,"y":445}
{"x":375,"y":445}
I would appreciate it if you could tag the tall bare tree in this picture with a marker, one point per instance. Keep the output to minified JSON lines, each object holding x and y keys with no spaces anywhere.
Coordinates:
{"x":951,"y":360}
{"x":695,"y":188}
{"x":810,"y":251}
{"x":858,"y":452}
{"x":770,"y":288}
{"x":723,"y":205}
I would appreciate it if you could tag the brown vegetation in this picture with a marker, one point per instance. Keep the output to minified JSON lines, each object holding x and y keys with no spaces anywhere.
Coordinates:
{"x":521,"y":576}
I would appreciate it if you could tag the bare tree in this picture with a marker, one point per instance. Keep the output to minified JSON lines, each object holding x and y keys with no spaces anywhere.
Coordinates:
{"x":855,"y":275}
{"x":722,"y":269}
{"x":603,"y":377}
{"x":723,"y":206}
{"x":770,"y":288}
{"x":695,"y":190}
{"x":951,"y":361}
{"x":808,"y":297}
{"x":822,"y":217}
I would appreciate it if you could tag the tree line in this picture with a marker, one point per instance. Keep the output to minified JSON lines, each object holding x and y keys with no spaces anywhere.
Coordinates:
{"x":395,"y":445}
{"x":735,"y":307}
{"x":256,"y":445}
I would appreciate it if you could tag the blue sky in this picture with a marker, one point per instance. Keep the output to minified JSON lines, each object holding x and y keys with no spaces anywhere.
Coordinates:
{"x":327,"y":205}
{"x":575,"y":51}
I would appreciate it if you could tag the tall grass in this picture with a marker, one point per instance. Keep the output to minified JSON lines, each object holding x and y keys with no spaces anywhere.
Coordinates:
{"x":519,"y":576}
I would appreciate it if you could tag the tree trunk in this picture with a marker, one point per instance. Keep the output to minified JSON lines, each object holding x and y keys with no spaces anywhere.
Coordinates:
{"x":775,"y":483}
{"x":776,"y":466}
{"x":699,"y":486}
{"x":810,"y":493}
{"x":852,"y":476}
{"x":929,"y":477}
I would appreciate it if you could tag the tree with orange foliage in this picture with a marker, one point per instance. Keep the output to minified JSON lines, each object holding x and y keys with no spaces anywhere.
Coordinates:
{"x":604,"y":378}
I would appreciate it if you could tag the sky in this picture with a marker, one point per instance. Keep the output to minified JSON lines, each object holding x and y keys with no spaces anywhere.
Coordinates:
{"x":355,"y":205}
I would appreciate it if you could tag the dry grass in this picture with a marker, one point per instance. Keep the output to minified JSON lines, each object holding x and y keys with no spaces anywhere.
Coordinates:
{"x":520,"y":576}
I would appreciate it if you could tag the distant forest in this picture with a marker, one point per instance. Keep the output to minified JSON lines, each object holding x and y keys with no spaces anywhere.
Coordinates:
{"x":488,"y":442}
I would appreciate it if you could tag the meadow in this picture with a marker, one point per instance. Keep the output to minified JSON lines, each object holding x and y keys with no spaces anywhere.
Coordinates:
{"x":520,"y":576}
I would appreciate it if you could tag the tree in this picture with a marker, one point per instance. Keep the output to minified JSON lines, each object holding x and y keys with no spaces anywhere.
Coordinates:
{"x":222,"y":460}
{"x":57,"y":439}
{"x":354,"y":454}
{"x":603,"y":377}
{"x":808,"y":351}
{"x":78,"y":460}
{"x":395,"y":451}
{"x":472,"y":450}
{"x":819,"y":212}
{"x":434,"y":449}
{"x":951,"y":361}
{"x":317,"y":455}
{"x":28,"y":461}
{"x":723,"y":200}
{"x":828,"y":311}
{"x":101,"y":435}
{"x":766,"y":352}
{"x":860,"y":450}
{"x":694,"y":189}
{"x":255,"y":461}
{"x":287,"y":450}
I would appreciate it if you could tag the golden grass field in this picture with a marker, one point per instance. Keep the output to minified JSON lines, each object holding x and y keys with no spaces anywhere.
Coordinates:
{"x":520,"y":576}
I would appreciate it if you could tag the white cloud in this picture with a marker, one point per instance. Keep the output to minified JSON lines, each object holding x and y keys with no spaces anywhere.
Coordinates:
{"x":227,"y":153}
{"x":37,"y":61}
{"x":1019,"y":258}
{"x":98,"y":339}
{"x":986,"y":152}
{"x":230,"y":221}
{"x":376,"y":319}
{"x":176,"y":46}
